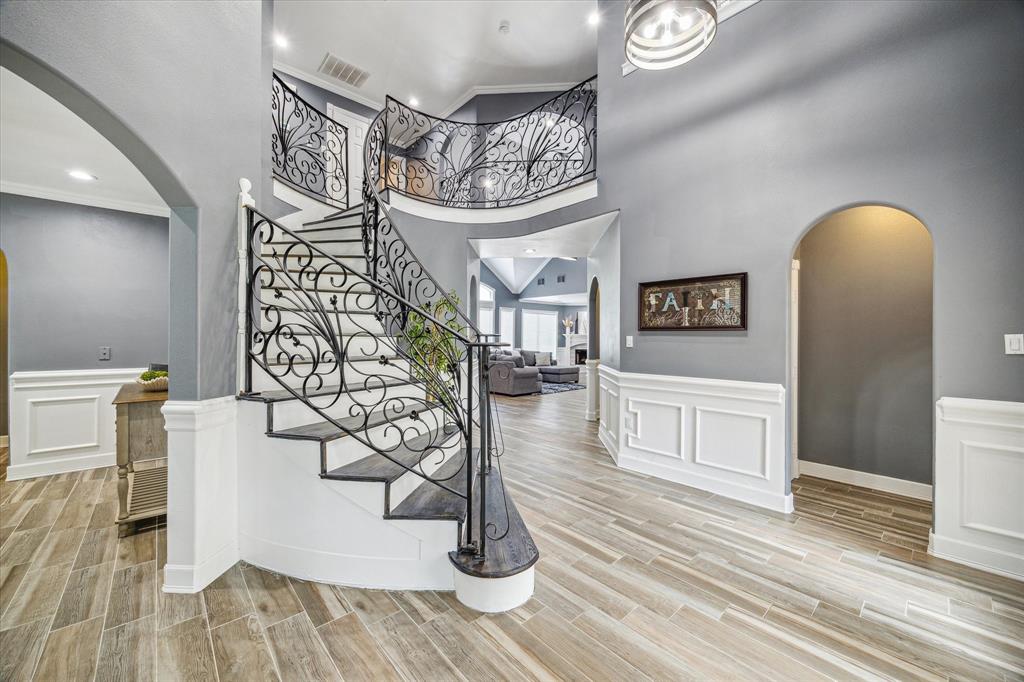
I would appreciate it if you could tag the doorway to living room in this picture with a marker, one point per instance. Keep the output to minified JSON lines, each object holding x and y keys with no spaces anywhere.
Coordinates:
{"x":535,"y":291}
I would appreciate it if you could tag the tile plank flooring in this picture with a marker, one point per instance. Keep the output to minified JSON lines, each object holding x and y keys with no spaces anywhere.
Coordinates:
{"x":639,"y":579}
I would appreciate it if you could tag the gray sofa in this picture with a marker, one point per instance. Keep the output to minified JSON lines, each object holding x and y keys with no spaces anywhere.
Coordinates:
{"x":508,"y":378}
{"x":553,"y":373}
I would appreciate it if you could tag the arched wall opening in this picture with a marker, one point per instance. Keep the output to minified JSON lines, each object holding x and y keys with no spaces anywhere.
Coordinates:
{"x":861,"y":359}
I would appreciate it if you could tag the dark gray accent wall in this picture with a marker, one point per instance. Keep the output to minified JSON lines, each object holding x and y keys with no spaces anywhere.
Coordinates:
{"x":321,"y":97}
{"x":575,"y":273}
{"x":83,"y":277}
{"x":865,"y":351}
{"x":796,"y":110}
{"x":503,"y":298}
{"x":180,"y":89}
{"x":503,"y":106}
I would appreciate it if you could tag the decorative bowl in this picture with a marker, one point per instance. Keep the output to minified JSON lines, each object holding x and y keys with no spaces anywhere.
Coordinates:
{"x":158,"y":384}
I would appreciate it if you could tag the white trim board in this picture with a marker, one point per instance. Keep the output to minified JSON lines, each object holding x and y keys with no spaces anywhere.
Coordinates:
{"x":897,"y":486}
{"x":82,"y":199}
{"x":63,"y":421}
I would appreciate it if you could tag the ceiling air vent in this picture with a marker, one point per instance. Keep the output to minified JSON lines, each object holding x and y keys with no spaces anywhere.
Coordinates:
{"x":340,"y":70}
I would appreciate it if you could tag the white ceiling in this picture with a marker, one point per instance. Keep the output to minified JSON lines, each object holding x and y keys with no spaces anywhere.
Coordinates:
{"x":440,"y":51}
{"x":516,"y":273}
{"x":41,"y":140}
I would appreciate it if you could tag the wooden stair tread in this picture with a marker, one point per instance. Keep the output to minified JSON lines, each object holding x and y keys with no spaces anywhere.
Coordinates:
{"x":508,"y":556}
{"x":278,"y":395}
{"x":326,"y":431}
{"x":376,"y":467}
{"x":430,"y":501}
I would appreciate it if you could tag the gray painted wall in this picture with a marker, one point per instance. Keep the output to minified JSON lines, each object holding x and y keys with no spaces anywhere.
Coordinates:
{"x":503,"y":298}
{"x":80,"y":278}
{"x":575,"y":279}
{"x":503,"y":106}
{"x":320,"y":97}
{"x":181,"y":90}
{"x":866,"y":344}
{"x":798,"y":109}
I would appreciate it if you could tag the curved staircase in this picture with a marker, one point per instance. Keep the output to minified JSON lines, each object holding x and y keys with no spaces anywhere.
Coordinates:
{"x":332,"y":360}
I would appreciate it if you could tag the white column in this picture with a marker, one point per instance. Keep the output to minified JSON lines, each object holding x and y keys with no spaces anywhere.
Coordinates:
{"x":202,"y":492}
{"x":593,"y":390}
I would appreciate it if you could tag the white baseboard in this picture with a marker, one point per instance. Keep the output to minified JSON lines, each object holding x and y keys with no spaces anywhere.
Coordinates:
{"x":897,"y":486}
{"x":63,"y":421}
{"x":726,"y":437}
{"x":17,"y":472}
{"x":976,"y":556}
{"x":189,"y":579}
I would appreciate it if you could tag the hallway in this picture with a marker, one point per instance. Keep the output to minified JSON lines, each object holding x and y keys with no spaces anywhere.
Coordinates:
{"x":638,"y":578}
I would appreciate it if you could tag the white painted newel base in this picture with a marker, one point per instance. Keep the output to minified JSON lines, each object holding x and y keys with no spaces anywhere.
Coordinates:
{"x":726,"y":437}
{"x":494,"y":595}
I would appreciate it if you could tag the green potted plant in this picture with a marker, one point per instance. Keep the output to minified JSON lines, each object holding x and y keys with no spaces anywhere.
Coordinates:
{"x":433,"y":348}
{"x":153,"y":380}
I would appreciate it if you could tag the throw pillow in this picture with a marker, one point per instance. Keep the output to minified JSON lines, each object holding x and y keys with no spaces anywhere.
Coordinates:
{"x":529,"y":357}
{"x":517,"y":360}
{"x":543,"y":359}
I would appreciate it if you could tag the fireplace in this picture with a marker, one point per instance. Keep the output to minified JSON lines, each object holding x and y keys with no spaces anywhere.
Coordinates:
{"x":580,"y":356}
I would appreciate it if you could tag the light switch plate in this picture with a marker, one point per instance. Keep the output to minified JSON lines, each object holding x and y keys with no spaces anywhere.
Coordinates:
{"x":629,"y":342}
{"x":1014,"y":344}
{"x":104,"y":352}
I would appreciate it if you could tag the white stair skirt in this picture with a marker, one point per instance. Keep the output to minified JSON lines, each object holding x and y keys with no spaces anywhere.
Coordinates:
{"x":293,"y":522}
{"x":979,"y":480}
{"x":726,"y":437}
{"x":494,"y":595}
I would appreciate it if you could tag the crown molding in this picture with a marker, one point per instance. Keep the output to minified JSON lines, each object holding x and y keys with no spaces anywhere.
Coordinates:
{"x":336,"y":88}
{"x":83,"y":199}
{"x":475,"y":90}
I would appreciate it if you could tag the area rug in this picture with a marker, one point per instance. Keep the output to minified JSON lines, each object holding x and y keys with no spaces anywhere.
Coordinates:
{"x":547,"y":388}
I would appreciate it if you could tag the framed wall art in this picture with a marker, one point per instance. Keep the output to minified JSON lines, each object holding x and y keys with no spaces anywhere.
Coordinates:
{"x":694,"y":303}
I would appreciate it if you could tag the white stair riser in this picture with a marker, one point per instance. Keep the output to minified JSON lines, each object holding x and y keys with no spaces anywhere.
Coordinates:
{"x":353,"y":297}
{"x":331,"y":233}
{"x":347,"y":450}
{"x":409,"y":481}
{"x":354,"y":249}
{"x":344,"y":221}
{"x":336,"y":322}
{"x":290,"y":413}
{"x":264,"y":381}
{"x":279,"y":257}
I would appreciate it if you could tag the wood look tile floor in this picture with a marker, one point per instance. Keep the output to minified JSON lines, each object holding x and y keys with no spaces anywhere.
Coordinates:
{"x":639,"y":579}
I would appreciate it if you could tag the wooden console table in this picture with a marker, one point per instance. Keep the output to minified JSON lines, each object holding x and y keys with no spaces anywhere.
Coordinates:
{"x":140,"y":436}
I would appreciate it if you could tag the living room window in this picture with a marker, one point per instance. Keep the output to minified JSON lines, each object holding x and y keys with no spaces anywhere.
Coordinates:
{"x":507,"y":325}
{"x":540,"y":330}
{"x":485,"y":317}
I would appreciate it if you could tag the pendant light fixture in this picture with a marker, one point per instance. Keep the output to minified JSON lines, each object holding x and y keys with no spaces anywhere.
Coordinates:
{"x":661,"y":34}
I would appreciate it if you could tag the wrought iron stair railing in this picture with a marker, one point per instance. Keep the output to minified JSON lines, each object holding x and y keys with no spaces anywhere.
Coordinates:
{"x":548,"y":149}
{"x":309,"y":149}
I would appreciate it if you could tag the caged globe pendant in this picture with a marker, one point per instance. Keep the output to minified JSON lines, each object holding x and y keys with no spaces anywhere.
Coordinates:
{"x":661,"y":34}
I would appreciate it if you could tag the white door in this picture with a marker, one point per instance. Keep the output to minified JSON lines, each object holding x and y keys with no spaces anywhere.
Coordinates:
{"x":357,"y":127}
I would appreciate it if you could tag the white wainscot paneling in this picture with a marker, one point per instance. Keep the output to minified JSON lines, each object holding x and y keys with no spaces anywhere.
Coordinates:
{"x":727,"y":437}
{"x":63,"y":421}
{"x":608,"y":429}
{"x":979,"y":476}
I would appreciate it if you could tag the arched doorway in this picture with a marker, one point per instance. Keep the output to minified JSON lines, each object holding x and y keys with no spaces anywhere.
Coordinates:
{"x":861,"y":349}
{"x":593,"y":349}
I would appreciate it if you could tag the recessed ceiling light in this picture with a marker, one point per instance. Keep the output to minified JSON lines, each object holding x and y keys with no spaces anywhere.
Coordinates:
{"x":413,"y":102}
{"x":81,"y":175}
{"x":280,"y":41}
{"x":594,"y":18}
{"x":530,"y":251}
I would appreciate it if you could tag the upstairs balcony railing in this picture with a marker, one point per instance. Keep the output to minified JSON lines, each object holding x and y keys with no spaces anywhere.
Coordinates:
{"x":310,"y":151}
{"x":492,"y":165}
